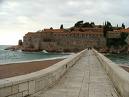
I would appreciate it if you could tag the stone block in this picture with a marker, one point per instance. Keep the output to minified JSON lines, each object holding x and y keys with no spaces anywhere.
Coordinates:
{"x":38,"y":84}
{"x":15,"y":95}
{"x":23,"y":86}
{"x":14,"y":89}
{"x":5,"y":91}
{"x":25,"y":93}
{"x":31,"y":87}
{"x":19,"y":95}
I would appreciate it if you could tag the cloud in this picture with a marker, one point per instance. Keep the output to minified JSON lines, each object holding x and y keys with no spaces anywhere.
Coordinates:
{"x":20,"y":16}
{"x":1,"y":1}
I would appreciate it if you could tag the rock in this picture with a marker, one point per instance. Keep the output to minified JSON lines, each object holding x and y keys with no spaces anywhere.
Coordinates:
{"x":14,"y":48}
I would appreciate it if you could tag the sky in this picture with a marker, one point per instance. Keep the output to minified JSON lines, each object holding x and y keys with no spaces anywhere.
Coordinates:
{"x":17,"y":17}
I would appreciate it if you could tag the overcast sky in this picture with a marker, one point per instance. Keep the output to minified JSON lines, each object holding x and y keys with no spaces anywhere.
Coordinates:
{"x":17,"y":17}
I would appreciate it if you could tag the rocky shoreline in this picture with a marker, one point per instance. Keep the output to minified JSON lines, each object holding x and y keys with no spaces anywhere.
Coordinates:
{"x":119,"y":50}
{"x":14,"y":48}
{"x":104,"y":50}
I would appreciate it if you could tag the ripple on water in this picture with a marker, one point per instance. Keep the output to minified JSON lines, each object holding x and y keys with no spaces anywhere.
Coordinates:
{"x":16,"y":56}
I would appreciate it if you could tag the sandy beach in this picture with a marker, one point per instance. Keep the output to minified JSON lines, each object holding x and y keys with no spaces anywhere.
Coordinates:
{"x":15,"y":69}
{"x":125,"y":68}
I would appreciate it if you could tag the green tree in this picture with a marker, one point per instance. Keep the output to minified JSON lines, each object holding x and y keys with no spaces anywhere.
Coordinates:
{"x":20,"y":42}
{"x":92,"y":24}
{"x":86,"y":24}
{"x":61,"y":27}
{"x":123,"y":37}
{"x":123,"y":25}
{"x":107,"y":27}
{"x":117,"y":26}
{"x":51,"y":28}
{"x":78,"y":24}
{"x":116,"y":42}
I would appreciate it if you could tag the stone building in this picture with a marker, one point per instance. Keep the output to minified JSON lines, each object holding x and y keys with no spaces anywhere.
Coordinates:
{"x":113,"y":34}
{"x":117,"y":33}
{"x":64,"y":40}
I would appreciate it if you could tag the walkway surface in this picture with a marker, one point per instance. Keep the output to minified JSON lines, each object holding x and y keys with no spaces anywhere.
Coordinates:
{"x":85,"y":79}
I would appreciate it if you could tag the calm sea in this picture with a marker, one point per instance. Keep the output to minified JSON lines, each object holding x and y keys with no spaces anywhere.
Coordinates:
{"x":122,"y":59}
{"x":7,"y":56}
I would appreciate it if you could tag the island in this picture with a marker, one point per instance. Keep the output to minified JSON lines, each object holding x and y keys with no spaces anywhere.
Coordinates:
{"x":104,"y":38}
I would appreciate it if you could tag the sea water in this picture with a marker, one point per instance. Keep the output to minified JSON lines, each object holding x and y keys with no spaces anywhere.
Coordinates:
{"x":122,"y":59}
{"x":7,"y":56}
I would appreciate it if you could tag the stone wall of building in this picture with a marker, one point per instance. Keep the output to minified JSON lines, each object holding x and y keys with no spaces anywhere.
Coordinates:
{"x":113,"y":34}
{"x":64,"y":39}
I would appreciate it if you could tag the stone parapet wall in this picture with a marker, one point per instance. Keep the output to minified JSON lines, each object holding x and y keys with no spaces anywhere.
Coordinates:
{"x":25,"y":85}
{"x":118,"y":76}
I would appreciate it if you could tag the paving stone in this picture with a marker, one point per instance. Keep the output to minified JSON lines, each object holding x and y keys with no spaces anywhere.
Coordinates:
{"x":85,"y":79}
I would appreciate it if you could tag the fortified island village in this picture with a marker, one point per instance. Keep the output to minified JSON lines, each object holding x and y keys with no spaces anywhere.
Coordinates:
{"x":87,"y":73}
{"x":104,"y":38}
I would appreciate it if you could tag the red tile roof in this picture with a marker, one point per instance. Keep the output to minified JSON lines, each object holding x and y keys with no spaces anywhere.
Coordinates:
{"x":53,"y":30}
{"x":122,"y":30}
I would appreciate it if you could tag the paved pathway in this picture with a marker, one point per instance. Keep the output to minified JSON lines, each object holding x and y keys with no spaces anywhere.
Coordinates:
{"x":85,"y":79}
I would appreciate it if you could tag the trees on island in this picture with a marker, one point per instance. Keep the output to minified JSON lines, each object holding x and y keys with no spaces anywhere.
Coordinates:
{"x":86,"y":24}
{"x":123,"y":25}
{"x":20,"y":43}
{"x":78,"y":24}
{"x":115,"y":42}
{"x":61,"y":27}
{"x":107,"y":27}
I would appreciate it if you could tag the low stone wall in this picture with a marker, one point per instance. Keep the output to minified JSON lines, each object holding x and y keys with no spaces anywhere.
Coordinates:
{"x":24,"y":85}
{"x":118,"y":76}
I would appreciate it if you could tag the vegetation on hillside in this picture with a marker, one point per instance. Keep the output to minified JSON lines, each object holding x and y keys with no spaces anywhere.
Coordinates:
{"x":82,"y":24}
{"x":114,"y":42}
{"x":117,"y":42}
{"x":111,"y":42}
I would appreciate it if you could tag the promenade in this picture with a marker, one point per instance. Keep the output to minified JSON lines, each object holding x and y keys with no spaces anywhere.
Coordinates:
{"x":86,"y":78}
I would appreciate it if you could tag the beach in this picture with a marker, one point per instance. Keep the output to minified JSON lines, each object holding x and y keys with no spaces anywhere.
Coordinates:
{"x":16,"y":69}
{"x":125,"y":68}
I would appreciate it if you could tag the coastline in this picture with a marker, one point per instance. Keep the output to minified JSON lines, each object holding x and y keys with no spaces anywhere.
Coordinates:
{"x":18,"y":56}
{"x":35,"y":60}
{"x":17,"y":68}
